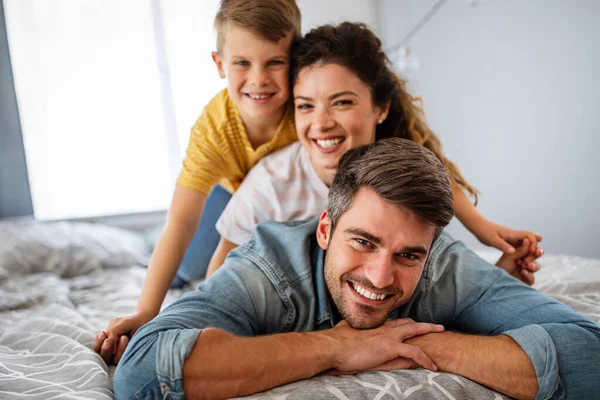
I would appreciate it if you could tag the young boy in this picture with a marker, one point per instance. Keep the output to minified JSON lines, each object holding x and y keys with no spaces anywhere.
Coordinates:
{"x":246,"y":121}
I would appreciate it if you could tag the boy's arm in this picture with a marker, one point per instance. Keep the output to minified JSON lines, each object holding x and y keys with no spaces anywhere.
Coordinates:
{"x":486,"y":231}
{"x":182,"y":222}
{"x":219,"y":256}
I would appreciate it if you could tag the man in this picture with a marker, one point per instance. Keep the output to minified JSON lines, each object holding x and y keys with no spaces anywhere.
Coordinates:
{"x":290,"y":304}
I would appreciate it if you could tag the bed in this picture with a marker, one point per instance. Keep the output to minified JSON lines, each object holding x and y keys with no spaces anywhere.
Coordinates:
{"x":60,"y":283}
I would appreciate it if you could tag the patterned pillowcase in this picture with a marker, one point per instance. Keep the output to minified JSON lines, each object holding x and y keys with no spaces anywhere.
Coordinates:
{"x":66,"y":248}
{"x":417,"y":384}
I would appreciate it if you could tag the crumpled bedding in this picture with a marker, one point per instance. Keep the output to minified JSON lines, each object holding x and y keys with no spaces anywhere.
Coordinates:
{"x":61,"y":283}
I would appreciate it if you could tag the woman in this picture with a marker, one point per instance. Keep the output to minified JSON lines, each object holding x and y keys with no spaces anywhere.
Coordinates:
{"x":345,"y":95}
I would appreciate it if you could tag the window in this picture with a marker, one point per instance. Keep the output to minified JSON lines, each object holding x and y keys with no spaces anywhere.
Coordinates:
{"x":107,"y":93}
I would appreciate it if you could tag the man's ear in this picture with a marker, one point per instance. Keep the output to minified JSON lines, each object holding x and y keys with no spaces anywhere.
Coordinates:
{"x":219,"y":63}
{"x":324,"y":230}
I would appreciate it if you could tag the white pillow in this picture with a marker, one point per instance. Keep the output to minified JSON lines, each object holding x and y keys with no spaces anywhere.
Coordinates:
{"x":66,"y":248}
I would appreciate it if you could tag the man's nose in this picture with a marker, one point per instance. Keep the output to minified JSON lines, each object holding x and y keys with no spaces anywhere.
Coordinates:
{"x":380,"y":271}
{"x":258,"y":76}
{"x":322,"y":119}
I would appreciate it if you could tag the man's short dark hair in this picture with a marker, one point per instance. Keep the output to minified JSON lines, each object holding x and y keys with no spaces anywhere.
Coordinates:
{"x":401,"y":172}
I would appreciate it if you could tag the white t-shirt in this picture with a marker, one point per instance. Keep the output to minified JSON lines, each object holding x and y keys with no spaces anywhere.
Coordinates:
{"x":282,"y":186}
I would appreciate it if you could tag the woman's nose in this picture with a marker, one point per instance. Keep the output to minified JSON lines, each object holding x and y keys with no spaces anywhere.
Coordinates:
{"x":323,"y":120}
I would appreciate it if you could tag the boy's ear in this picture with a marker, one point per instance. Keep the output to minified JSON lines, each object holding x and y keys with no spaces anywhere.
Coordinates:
{"x":219,"y":63}
{"x":324,"y":230}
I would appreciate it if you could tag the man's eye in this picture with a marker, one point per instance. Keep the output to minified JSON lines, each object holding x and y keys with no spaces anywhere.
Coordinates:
{"x":363,"y":242}
{"x":408,"y":256}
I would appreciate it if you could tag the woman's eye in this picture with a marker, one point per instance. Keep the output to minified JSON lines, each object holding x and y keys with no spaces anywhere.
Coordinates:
{"x":303,"y":106}
{"x":342,"y":102}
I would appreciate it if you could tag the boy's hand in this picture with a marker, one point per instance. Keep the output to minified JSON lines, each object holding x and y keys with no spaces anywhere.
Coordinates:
{"x":503,"y":238}
{"x":112,"y":342}
{"x":521,"y":264}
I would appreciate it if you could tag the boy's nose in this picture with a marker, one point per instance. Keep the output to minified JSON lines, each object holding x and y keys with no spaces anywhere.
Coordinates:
{"x":259,"y":77}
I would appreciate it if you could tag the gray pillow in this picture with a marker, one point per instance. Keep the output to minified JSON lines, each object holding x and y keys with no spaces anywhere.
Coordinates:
{"x":66,"y":249}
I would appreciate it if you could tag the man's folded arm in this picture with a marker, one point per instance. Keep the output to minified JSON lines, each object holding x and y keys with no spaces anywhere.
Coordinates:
{"x":222,"y":365}
{"x":154,"y":360}
{"x":562,"y":346}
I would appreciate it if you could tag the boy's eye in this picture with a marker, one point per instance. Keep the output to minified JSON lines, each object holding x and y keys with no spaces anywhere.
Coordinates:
{"x":276,"y":62}
{"x":241,"y":63}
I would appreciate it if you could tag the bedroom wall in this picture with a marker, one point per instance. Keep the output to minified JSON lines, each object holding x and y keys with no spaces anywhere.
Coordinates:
{"x":15,"y":199}
{"x":511,"y":88}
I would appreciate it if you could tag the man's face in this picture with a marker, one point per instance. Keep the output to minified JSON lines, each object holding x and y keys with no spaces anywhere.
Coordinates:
{"x":257,"y":73}
{"x":375,"y":257}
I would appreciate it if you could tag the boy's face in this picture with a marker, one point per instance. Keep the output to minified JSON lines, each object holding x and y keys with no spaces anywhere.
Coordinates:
{"x":257,"y":73}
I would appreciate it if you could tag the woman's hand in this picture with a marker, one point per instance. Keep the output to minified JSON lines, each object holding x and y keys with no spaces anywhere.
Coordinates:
{"x":516,"y":265}
{"x":112,"y":342}
{"x":503,"y":238}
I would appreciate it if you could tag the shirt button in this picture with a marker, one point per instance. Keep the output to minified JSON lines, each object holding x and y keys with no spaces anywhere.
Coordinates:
{"x":165,"y":388}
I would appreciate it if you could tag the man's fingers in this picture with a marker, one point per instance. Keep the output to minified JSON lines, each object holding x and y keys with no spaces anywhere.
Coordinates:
{"x":123,"y":342}
{"x":416,"y":354}
{"x":528,"y":277}
{"x":406,"y":331}
{"x":397,"y":363}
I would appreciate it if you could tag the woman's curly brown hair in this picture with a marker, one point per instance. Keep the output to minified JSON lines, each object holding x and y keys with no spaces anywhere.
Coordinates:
{"x":356,"y":47}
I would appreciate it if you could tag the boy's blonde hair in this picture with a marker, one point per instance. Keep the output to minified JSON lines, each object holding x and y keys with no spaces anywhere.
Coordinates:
{"x":271,"y":19}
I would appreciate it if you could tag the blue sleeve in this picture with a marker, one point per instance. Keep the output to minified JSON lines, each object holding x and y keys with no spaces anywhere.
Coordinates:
{"x":153,"y":362}
{"x":480,"y":298}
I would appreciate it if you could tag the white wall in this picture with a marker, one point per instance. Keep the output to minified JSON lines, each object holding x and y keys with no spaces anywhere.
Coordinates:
{"x":319,"y":12}
{"x":511,"y":88}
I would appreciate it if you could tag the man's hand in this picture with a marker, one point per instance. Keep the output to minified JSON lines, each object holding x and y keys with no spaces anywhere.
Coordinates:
{"x":521,"y":264}
{"x":381,"y":348}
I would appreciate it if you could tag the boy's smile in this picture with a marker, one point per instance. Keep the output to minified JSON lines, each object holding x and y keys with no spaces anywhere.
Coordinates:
{"x":257,"y":74}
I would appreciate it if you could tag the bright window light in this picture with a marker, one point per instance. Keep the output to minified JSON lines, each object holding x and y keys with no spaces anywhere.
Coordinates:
{"x":91,"y":78}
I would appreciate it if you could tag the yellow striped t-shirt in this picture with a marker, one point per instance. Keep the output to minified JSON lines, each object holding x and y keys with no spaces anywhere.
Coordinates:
{"x":219,"y":150}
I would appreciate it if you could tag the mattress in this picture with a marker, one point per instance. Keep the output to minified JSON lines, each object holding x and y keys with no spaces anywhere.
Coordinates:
{"x":61,"y":283}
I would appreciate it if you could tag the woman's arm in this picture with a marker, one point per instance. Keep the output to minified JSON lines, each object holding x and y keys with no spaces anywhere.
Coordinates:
{"x":488,"y":232}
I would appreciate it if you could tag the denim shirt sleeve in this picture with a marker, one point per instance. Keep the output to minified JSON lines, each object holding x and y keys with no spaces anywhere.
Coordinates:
{"x":152,"y":366}
{"x":470,"y":295}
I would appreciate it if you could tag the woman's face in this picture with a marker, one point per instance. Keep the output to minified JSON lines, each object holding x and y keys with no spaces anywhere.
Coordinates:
{"x":334,"y":113}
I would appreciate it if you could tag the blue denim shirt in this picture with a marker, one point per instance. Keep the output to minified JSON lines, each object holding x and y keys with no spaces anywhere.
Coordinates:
{"x":275,"y":283}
